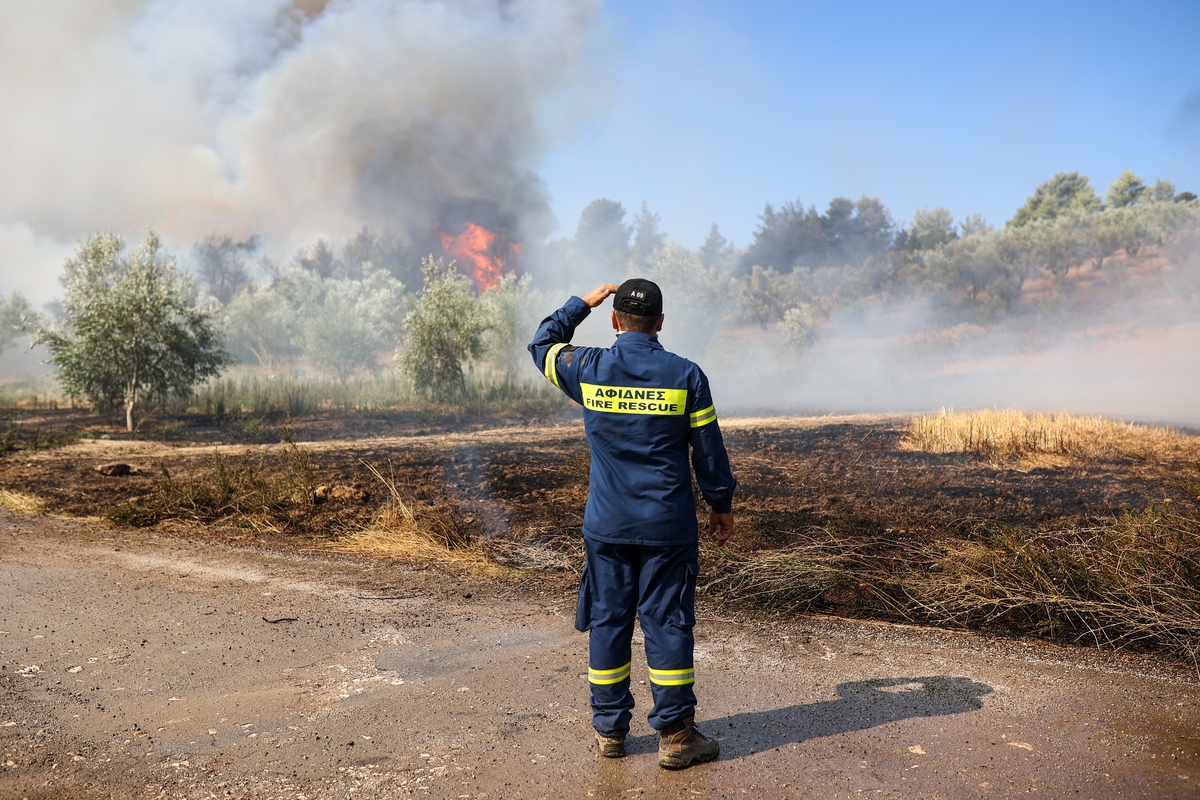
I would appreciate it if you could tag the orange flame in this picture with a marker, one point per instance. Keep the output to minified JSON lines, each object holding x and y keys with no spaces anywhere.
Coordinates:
{"x":473,"y":248}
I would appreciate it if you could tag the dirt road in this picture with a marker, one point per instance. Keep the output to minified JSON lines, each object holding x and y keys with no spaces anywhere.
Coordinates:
{"x":140,"y":666}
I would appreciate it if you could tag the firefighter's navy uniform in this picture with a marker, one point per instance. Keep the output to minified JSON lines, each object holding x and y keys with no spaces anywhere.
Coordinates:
{"x":643,"y":407}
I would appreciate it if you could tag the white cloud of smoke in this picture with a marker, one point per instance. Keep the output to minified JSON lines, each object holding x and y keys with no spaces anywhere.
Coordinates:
{"x":1148,"y":373}
{"x":283,"y":118}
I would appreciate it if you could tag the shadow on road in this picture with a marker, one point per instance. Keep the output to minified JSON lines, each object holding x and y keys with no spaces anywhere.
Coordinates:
{"x":860,"y":705}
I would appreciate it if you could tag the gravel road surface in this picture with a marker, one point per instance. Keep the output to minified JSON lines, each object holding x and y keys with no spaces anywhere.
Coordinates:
{"x":147,"y":667}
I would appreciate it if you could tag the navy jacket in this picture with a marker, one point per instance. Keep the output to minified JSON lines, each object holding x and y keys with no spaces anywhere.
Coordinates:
{"x":643,"y":407}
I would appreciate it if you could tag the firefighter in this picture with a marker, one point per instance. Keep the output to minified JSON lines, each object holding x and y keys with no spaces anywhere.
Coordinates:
{"x":643,"y":408}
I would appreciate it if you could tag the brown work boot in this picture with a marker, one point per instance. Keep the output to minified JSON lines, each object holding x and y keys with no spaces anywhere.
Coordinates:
{"x":610,"y":746}
{"x":681,"y":744}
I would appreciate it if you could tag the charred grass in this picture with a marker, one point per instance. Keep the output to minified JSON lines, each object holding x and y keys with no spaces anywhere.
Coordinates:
{"x":1129,"y":581}
{"x":851,"y":516}
{"x":261,"y":492}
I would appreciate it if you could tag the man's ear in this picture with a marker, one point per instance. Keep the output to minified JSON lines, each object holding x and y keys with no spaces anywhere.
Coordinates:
{"x":616,"y":325}
{"x":657,"y":325}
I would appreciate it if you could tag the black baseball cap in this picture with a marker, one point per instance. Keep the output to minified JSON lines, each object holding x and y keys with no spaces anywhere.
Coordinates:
{"x":639,"y":297}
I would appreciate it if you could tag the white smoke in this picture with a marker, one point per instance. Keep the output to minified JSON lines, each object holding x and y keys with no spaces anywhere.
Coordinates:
{"x":286,"y":119}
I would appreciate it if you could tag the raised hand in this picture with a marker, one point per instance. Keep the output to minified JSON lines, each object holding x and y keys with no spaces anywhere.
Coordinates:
{"x":599,"y":294}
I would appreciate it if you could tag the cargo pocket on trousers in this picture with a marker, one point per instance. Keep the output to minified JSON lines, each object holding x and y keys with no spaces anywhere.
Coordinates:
{"x":583,"y":606}
{"x":686,"y":615}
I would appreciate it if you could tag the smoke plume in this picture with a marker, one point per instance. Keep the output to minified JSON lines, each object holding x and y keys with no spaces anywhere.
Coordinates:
{"x":283,"y":118}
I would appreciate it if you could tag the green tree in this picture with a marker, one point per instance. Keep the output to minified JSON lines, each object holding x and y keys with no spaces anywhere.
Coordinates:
{"x":341,"y":326}
{"x":760,"y":295}
{"x":512,"y":311}
{"x":975,"y":273}
{"x":693,"y":298}
{"x":256,"y":324}
{"x":221,"y":267}
{"x":351,"y":322}
{"x":1162,"y":191}
{"x":716,"y":252}
{"x":131,"y":329}
{"x":17,"y":317}
{"x":798,"y":327}
{"x":1100,"y":236}
{"x":848,"y":233}
{"x":1127,"y":190}
{"x":787,"y":237}
{"x":970,"y":225}
{"x":1056,"y":245}
{"x":931,"y":228}
{"x":445,"y":329}
{"x":647,"y":238}
{"x":1066,"y":191}
{"x":601,"y":246}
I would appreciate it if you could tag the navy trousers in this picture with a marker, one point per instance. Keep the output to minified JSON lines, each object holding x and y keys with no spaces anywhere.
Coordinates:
{"x":658,"y":584}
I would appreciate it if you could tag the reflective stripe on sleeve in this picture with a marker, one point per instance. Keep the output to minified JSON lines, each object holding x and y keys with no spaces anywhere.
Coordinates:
{"x":673,"y":677}
{"x":550,"y":370}
{"x":701,"y":418}
{"x":608,"y":676}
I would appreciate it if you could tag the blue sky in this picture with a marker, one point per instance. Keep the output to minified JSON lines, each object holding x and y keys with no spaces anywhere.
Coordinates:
{"x":714,"y":109}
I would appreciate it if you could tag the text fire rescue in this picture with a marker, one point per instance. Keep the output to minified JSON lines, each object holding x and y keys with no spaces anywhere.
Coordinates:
{"x":627,"y":400}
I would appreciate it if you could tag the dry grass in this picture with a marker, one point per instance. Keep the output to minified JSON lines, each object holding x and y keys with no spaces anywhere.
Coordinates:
{"x":20,"y":503}
{"x":1009,"y":435}
{"x":426,"y":537}
{"x":1135,"y":580}
{"x":266,"y":495}
{"x":390,"y":536}
{"x":429,"y":536}
{"x":823,"y":571}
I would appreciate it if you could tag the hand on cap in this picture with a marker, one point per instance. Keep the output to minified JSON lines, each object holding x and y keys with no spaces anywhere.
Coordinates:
{"x":600,"y":294}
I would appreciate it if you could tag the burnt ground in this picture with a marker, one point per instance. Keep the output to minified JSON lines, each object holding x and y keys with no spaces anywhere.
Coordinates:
{"x":527,"y":478}
{"x":227,"y":657}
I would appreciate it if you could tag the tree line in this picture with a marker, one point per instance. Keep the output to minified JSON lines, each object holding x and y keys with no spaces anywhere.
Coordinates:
{"x":134,"y":328}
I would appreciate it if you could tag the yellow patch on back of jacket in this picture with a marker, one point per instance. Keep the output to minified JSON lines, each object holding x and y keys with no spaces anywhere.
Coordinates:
{"x":630,"y":400}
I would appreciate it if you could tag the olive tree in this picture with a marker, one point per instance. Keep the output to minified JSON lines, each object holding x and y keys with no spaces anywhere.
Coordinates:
{"x":759,"y":295}
{"x":444,"y":329}
{"x":694,"y":297}
{"x":798,"y":328}
{"x":130,"y":328}
{"x":512,"y":311}
{"x":256,"y":323}
{"x":16,"y":318}
{"x":349,"y":323}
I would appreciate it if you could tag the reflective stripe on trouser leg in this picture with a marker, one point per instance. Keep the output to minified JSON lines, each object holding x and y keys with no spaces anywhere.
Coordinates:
{"x":607,"y":677}
{"x":672,"y":677}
